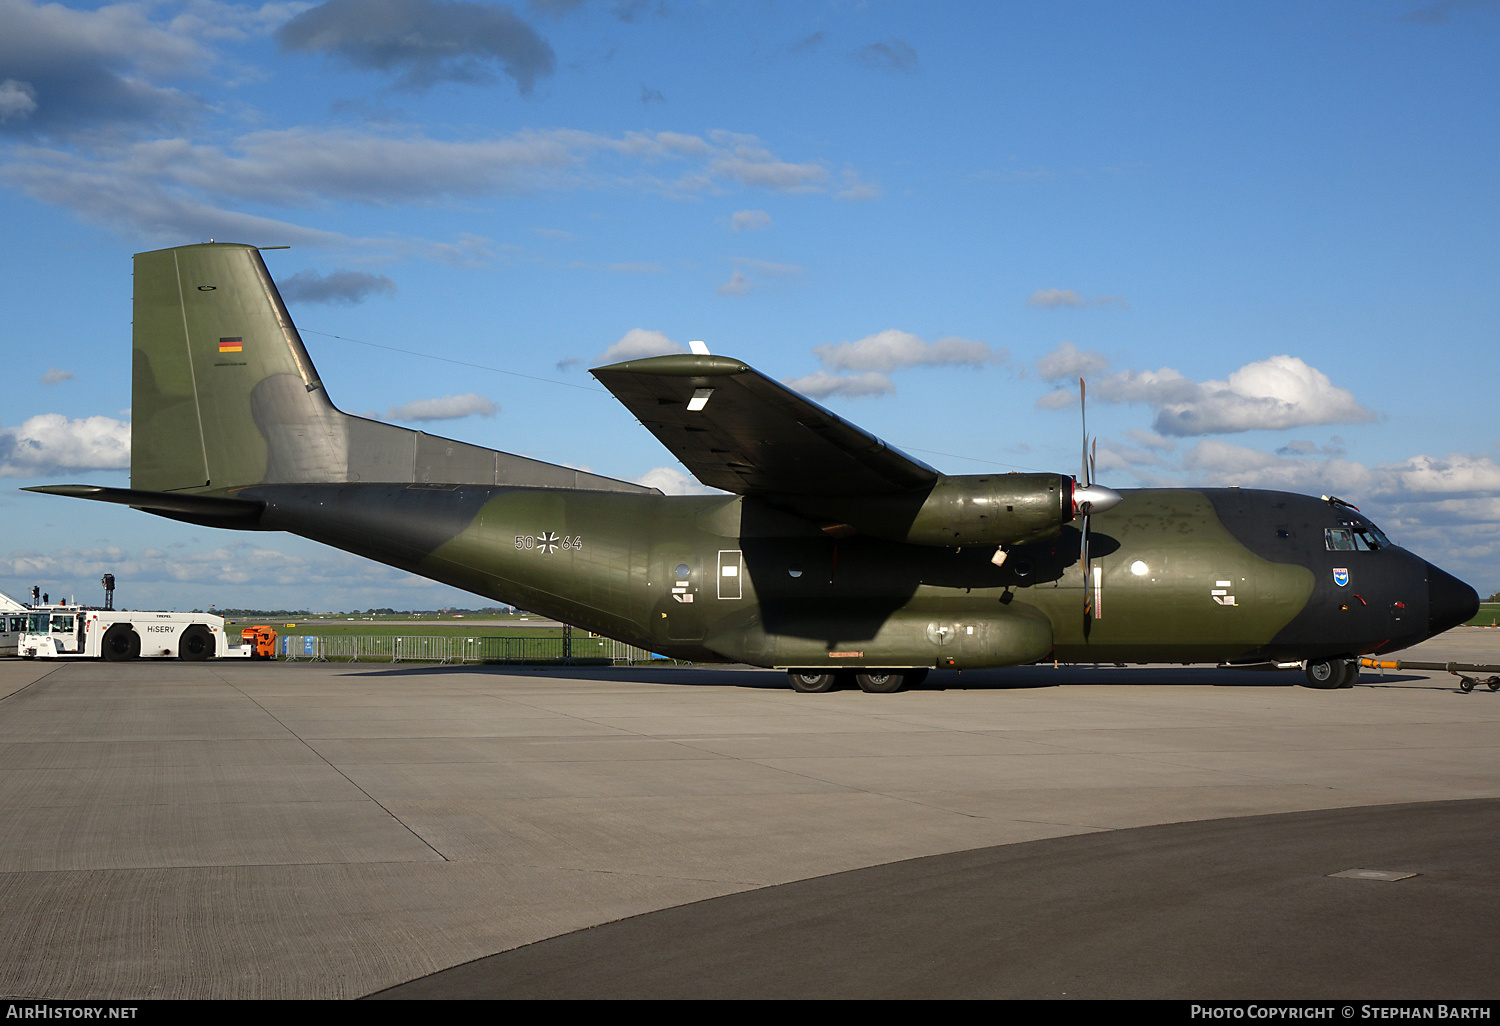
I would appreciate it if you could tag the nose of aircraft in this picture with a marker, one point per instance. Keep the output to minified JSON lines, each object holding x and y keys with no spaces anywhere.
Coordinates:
{"x":1450,"y":601}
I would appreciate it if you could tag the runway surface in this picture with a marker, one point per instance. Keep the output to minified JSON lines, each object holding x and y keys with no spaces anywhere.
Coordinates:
{"x":1218,"y":910}
{"x":267,"y":830}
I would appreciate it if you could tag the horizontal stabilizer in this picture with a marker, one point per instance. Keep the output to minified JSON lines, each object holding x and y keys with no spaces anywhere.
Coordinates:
{"x":201,"y":509}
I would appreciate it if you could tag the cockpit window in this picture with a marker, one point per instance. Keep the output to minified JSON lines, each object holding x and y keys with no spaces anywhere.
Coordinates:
{"x":1339,"y":539}
{"x":1355,"y":537}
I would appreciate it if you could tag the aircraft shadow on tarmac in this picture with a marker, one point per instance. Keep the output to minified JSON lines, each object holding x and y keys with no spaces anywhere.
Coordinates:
{"x":1008,"y":679}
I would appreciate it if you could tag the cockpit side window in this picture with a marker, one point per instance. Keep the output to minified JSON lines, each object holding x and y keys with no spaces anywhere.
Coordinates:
{"x":1355,"y":536}
{"x":1339,"y":539}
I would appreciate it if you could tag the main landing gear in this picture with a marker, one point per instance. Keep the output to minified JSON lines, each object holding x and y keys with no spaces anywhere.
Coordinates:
{"x":876,"y":682}
{"x":1329,"y":674}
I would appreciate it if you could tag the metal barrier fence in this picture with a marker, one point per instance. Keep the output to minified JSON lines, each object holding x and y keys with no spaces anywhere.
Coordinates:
{"x":580,"y":648}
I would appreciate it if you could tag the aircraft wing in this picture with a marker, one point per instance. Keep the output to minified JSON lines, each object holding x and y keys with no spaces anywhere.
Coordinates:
{"x":738,"y":430}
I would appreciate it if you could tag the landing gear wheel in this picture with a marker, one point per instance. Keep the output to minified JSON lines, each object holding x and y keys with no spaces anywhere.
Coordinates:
{"x":1326,"y":674}
{"x":120,"y":643}
{"x":881,"y":682}
{"x":196,"y":645}
{"x":812,"y":682}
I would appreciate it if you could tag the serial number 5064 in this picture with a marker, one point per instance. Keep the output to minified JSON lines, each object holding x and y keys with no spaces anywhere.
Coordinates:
{"x":548,"y":542}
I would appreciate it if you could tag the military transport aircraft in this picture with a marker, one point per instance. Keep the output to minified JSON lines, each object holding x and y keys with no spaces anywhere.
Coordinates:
{"x":835,"y":556}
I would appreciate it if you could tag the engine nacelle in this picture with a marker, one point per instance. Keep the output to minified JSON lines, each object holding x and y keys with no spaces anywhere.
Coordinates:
{"x":977,"y":509}
{"x":993,"y":509}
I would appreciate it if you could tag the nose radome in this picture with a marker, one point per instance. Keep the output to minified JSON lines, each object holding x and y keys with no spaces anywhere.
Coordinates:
{"x":1450,"y":601}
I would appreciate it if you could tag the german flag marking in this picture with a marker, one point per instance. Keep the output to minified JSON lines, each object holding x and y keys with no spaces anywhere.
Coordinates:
{"x":231,"y":345}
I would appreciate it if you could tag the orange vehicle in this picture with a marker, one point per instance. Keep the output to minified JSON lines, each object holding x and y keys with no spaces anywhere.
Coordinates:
{"x":264,"y":640}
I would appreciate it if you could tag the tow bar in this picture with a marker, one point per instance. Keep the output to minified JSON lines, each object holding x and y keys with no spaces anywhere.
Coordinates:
{"x":1465,"y":672}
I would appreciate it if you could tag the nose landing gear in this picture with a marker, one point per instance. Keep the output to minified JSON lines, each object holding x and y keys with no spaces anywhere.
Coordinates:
{"x":1329,"y":674}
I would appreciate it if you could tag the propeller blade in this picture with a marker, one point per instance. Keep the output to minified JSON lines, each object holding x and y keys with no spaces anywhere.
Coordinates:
{"x":1083,"y":558}
{"x":1083,"y":414}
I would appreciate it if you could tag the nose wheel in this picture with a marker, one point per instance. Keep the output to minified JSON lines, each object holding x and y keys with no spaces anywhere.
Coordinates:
{"x":1331,"y":674}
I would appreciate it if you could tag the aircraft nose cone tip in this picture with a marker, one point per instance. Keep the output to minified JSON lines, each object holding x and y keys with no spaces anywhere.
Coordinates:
{"x":1450,"y":601}
{"x":1102,"y":498}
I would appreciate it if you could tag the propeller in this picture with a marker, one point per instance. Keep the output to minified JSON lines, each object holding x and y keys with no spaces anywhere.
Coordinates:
{"x":1089,"y":498}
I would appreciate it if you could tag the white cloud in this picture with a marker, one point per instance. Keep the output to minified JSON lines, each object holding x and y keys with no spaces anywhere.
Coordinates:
{"x":1457,"y":476}
{"x":768,"y":269}
{"x":424,"y":41}
{"x":66,"y":69}
{"x":749,"y":220}
{"x":892,"y":55}
{"x":738,"y":285}
{"x":891,"y":349}
{"x":175,"y":189}
{"x":638,"y":343}
{"x":1068,"y":361}
{"x":341,"y":286}
{"x":822,"y":385}
{"x":50,"y":442}
{"x":855,"y":188}
{"x":17,"y":99}
{"x":1273,"y":394}
{"x":1055,"y":299}
{"x":246,"y":564}
{"x":674,"y":482}
{"x":744,"y":278}
{"x":1150,"y":440}
{"x":449,"y":407}
{"x":1454,"y":475}
{"x":55,"y":376}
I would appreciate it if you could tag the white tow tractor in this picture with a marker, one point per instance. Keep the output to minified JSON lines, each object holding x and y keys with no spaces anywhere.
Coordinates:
{"x":120,"y":635}
{"x":14,"y":618}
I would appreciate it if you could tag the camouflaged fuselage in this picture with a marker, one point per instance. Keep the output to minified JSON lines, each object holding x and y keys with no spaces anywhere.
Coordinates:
{"x":1182,"y":575}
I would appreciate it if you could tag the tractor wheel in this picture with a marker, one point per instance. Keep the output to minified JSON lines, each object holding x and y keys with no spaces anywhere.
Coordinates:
{"x":196,"y":644}
{"x":120,"y":644}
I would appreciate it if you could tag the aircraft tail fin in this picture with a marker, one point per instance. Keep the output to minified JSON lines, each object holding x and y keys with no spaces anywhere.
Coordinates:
{"x":224,"y":395}
{"x":223,"y":392}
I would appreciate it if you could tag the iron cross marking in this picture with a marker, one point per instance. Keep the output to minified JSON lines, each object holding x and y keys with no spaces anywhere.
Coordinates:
{"x":547,"y":542}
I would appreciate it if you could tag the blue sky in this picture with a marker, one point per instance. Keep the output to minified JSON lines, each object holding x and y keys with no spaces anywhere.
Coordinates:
{"x":1266,"y":233}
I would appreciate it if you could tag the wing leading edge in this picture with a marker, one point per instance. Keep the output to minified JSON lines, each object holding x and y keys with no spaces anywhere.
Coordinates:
{"x":738,"y":430}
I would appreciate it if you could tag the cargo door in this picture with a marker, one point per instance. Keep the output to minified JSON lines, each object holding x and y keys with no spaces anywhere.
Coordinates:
{"x":731,"y":573}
